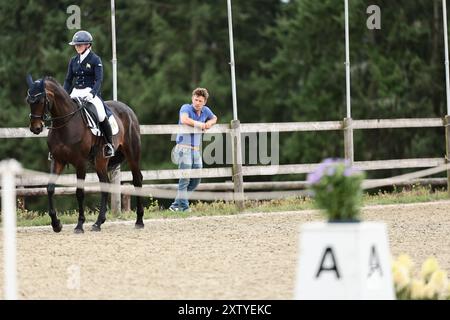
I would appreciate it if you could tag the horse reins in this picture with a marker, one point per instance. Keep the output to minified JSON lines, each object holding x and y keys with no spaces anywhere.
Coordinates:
{"x":45,"y":115}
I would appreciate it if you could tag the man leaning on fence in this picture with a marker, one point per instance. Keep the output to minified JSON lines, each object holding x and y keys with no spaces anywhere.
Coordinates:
{"x":187,"y":151}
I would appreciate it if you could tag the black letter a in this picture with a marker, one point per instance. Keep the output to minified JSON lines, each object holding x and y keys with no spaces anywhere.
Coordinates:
{"x":374,"y":262}
{"x":328,"y":250}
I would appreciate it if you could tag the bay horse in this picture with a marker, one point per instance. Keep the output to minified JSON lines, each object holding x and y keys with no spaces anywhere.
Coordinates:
{"x":70,"y":141}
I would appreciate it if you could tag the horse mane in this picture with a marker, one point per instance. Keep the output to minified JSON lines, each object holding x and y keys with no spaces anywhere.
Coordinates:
{"x":56,"y":87}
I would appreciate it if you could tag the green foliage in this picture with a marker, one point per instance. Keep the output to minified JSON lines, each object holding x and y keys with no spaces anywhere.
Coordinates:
{"x":410,"y":194}
{"x":337,"y":189}
{"x":154,"y":210}
{"x":289,"y":67}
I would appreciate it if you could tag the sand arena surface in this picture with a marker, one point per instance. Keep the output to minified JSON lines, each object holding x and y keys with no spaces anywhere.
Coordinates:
{"x":247,"y":256}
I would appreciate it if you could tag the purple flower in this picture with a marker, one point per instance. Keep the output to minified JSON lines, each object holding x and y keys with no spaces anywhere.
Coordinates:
{"x":328,"y":161}
{"x":331,"y":170}
{"x":314,"y":177}
{"x":327,"y":166}
{"x":350,"y":172}
{"x":336,"y":187}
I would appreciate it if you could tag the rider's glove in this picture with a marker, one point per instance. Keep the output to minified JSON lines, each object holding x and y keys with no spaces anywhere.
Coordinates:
{"x":89,"y":97}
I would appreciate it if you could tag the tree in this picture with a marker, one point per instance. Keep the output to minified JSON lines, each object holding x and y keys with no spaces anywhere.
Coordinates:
{"x":396,"y":73}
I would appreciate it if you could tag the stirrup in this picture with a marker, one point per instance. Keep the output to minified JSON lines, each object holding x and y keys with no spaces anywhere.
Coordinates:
{"x":108,"y":151}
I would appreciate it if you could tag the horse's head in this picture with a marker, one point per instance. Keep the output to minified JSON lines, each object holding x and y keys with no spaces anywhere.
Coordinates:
{"x":39,"y":104}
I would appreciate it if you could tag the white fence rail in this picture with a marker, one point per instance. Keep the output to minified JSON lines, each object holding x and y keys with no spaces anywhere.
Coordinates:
{"x":126,"y":176}
{"x":6,"y":133}
{"x":26,"y":181}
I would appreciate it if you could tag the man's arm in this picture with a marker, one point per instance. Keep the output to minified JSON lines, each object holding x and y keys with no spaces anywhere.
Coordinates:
{"x":210,"y":122}
{"x":190,"y":122}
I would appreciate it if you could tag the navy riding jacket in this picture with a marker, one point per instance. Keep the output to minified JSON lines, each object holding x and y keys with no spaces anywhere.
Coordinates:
{"x":88,"y":73}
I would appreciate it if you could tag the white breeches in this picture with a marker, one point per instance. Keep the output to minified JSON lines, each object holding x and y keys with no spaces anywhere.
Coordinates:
{"x":81,"y":93}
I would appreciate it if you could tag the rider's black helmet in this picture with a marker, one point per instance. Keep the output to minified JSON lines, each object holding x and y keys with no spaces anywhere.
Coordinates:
{"x":81,"y":37}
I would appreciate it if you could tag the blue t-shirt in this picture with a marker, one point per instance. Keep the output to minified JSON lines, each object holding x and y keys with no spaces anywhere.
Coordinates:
{"x":193,"y":139}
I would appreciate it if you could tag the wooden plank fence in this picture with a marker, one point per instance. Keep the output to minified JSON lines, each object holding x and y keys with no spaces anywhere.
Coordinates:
{"x":158,"y":129}
{"x":346,"y":125}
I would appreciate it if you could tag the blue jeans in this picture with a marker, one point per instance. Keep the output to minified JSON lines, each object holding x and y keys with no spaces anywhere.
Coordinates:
{"x":187,"y":158}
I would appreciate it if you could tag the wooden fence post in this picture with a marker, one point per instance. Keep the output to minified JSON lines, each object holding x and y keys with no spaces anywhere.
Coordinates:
{"x":348,"y":139}
{"x":126,"y":202}
{"x":238,"y":178}
{"x":21,"y":203}
{"x":115,"y":197}
{"x":447,"y":148}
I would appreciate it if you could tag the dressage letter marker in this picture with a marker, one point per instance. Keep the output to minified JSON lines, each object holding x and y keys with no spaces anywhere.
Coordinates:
{"x":328,"y":252}
{"x":344,"y":261}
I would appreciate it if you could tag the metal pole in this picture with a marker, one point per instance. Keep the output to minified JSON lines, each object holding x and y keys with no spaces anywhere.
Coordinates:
{"x":348,"y":127}
{"x":115,"y":197}
{"x":447,"y":77}
{"x":347,"y":61}
{"x":114,"y":58}
{"x":238,"y":178}
{"x":8,"y":169}
{"x":447,"y":88}
{"x":233,"y":74}
{"x":447,"y":148}
{"x":348,"y":140}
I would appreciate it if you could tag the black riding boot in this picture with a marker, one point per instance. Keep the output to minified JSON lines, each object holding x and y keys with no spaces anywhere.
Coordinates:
{"x":106,"y":129}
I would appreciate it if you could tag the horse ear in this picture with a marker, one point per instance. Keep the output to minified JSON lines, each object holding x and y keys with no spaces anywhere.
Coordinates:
{"x":29,"y":80}
{"x":43,"y":82}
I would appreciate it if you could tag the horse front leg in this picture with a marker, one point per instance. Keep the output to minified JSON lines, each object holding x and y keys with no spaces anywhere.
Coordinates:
{"x":81,"y":175}
{"x":101,"y":168}
{"x":56,"y":168}
{"x":137,"y":182}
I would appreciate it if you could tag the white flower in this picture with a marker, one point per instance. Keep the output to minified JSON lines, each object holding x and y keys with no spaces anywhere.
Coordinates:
{"x":406,"y":261}
{"x":428,"y":267}
{"x":401,"y":277}
{"x":447,"y":294}
{"x":429,"y":292}
{"x":433,"y":283}
{"x":417,"y":289}
{"x":439,"y":282}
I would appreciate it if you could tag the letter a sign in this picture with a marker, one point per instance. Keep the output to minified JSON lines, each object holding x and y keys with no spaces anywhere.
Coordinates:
{"x":343,"y":261}
{"x":374,"y":263}
{"x":374,"y":20}
{"x":333,"y":267}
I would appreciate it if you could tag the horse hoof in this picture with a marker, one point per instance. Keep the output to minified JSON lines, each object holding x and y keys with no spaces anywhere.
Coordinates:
{"x":78,"y":230}
{"x":139,"y":226}
{"x":95,"y":227}
{"x":57,"y":228}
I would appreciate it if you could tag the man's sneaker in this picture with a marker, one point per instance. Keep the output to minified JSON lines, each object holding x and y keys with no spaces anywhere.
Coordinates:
{"x":108,"y":150}
{"x":177,"y":209}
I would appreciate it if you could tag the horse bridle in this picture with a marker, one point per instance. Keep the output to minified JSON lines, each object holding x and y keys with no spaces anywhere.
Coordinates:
{"x":32,"y":99}
{"x":45,"y":116}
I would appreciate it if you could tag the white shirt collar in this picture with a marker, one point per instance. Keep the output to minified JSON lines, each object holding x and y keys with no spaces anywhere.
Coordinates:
{"x":84,"y":55}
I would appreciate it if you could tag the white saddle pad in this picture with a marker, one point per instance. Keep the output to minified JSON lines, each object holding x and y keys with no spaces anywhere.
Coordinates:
{"x":96,"y":131}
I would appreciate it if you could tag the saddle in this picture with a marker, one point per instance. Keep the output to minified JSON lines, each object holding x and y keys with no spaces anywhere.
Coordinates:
{"x":90,"y":117}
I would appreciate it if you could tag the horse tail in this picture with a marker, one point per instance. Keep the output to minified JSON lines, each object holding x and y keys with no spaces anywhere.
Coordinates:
{"x":134,"y":133}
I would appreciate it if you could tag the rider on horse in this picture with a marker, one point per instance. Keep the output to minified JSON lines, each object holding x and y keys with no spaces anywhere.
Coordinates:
{"x":87,"y":69}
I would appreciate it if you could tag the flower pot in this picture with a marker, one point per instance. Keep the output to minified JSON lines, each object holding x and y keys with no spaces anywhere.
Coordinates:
{"x":345,"y":260}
